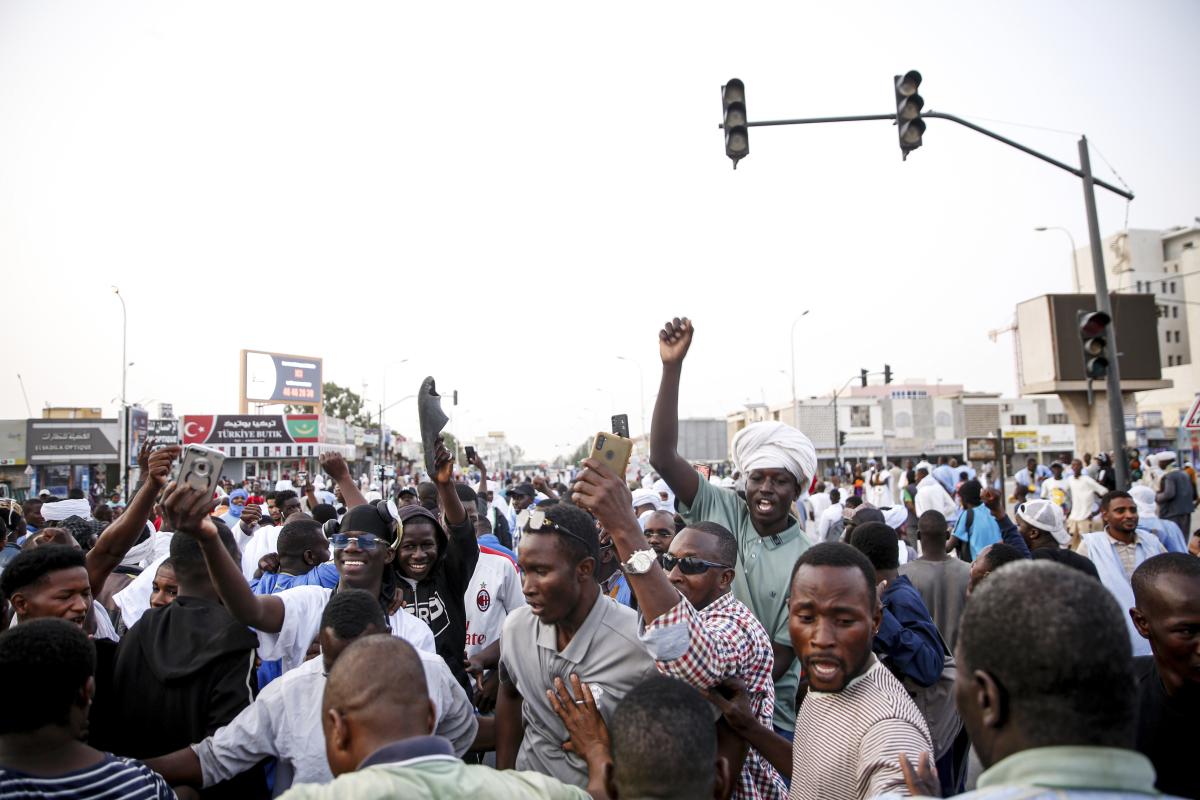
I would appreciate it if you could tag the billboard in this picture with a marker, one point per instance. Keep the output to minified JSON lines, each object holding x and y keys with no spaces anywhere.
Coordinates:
{"x":164,"y":431}
{"x":59,"y":441}
{"x":138,"y":422}
{"x":280,"y":378}
{"x":250,"y":429}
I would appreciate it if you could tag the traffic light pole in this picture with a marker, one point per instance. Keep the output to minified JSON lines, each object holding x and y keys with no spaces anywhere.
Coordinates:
{"x":1116,"y":409}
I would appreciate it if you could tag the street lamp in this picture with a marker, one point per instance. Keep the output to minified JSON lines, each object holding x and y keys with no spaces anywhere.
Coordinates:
{"x":1074,"y":262}
{"x":795,"y":407}
{"x":124,"y":329}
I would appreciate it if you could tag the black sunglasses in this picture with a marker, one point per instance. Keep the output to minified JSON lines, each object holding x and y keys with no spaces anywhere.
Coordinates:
{"x":689,"y":565}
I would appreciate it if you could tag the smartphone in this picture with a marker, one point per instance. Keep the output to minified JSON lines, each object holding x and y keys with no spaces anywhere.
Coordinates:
{"x":200,"y":467}
{"x":620,"y":425}
{"x":705,"y":470}
{"x":614,"y":451}
{"x":470,"y":454}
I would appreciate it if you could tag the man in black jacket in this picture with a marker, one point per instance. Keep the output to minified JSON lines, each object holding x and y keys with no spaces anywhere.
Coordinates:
{"x":434,"y":567}
{"x":183,"y":671}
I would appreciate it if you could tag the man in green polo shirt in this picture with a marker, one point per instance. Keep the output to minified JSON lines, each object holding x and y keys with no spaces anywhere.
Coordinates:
{"x":778,"y":463}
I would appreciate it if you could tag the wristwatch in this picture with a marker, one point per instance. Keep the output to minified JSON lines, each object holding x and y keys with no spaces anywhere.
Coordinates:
{"x":640,"y":562}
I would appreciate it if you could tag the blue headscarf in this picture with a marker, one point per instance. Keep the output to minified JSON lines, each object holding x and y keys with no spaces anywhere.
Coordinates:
{"x":235,"y":511}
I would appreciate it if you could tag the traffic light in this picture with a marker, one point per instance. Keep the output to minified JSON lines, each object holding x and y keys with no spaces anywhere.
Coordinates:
{"x":737,"y":135}
{"x":862,"y":376}
{"x":909,"y":124}
{"x":456,"y":397}
{"x":887,"y":374}
{"x":1093,"y":331}
{"x":842,"y":438}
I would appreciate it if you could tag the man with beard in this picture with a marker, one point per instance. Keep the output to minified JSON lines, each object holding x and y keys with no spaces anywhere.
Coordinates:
{"x":779,"y":462}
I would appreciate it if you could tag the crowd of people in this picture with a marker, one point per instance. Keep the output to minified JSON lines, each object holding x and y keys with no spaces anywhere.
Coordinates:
{"x":477,"y":635}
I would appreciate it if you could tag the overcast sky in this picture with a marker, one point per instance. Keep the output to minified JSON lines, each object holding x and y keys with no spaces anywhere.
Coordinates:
{"x":510,"y":195}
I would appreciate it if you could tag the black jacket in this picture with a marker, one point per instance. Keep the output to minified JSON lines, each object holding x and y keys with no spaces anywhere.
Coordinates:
{"x":438,"y":598}
{"x":180,"y":673}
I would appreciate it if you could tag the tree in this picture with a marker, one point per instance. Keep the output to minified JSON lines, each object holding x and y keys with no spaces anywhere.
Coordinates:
{"x":340,"y":403}
{"x":582,"y":452}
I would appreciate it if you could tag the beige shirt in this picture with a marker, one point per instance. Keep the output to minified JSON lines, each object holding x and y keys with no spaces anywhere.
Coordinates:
{"x":1126,"y":552}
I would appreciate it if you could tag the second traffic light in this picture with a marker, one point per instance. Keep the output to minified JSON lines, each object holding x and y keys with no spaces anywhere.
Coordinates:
{"x":909,"y":124}
{"x":887,"y":374}
{"x":737,"y":134}
{"x":862,"y":376}
{"x":1093,"y":334}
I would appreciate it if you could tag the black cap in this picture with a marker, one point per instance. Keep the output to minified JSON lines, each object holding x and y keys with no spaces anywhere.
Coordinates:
{"x":523,"y":488}
{"x":410,"y":490}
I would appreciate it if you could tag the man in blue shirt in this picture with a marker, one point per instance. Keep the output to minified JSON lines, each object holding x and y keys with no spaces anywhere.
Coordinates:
{"x":1031,"y":476}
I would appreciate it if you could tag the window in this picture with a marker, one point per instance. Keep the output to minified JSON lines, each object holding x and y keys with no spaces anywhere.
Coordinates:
{"x":1172,"y":287}
{"x":1168,"y":337}
{"x":1176,"y":337}
{"x":1164,"y":287}
{"x":1174,"y":312}
{"x":860,"y":416}
{"x":1056,"y":419}
{"x":1016,"y":419}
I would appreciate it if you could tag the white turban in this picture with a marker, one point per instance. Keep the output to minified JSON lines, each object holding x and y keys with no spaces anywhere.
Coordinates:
{"x":1143,"y":496}
{"x":661,"y":488}
{"x":895,"y":517}
{"x":644,"y":497}
{"x":774,"y":445}
{"x":56,"y":512}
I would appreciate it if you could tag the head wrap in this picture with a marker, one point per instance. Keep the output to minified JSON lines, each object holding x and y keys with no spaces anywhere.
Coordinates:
{"x":895,"y":517}
{"x":645,"y":497}
{"x":56,"y":512}
{"x":235,"y":511}
{"x":774,"y":445}
{"x":1144,"y":497}
{"x":661,"y":488}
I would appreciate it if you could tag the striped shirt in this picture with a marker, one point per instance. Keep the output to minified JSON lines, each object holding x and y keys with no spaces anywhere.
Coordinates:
{"x":847,"y":743}
{"x":114,"y":778}
{"x":703,"y":648}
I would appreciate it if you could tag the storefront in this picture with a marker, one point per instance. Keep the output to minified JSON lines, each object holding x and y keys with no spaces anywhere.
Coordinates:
{"x":262,"y":448}
{"x":73,"y":454}
{"x":14,"y":480}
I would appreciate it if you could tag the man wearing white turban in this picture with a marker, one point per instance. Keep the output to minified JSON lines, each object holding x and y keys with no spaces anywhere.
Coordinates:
{"x":778,"y":464}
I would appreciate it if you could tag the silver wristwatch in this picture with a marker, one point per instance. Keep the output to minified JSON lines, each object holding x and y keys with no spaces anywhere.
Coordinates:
{"x":640,"y":562}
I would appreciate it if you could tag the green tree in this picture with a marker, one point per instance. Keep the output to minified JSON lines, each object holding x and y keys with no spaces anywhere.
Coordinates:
{"x":582,"y":451}
{"x":340,"y":403}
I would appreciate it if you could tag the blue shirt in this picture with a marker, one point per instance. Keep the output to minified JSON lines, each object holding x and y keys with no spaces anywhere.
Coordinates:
{"x":908,"y":640}
{"x":984,"y":530}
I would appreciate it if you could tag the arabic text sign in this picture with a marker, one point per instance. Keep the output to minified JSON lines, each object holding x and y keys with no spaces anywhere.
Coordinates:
{"x":92,"y":441}
{"x":250,"y":429}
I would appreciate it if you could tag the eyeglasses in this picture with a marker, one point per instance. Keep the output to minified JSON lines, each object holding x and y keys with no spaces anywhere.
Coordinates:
{"x":689,"y":565}
{"x":365,"y":541}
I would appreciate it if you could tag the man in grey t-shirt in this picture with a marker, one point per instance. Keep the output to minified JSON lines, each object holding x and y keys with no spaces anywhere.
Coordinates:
{"x":941,"y":580}
{"x":567,"y":627}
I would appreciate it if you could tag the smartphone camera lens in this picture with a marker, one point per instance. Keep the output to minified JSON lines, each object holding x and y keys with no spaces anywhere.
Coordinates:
{"x":600,"y":441}
{"x":202,"y":467}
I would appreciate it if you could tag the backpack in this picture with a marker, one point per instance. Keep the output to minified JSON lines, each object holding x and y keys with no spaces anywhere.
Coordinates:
{"x":836,"y":528}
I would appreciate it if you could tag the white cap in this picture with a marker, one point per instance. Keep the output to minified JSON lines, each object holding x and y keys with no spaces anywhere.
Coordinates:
{"x":1045,"y":516}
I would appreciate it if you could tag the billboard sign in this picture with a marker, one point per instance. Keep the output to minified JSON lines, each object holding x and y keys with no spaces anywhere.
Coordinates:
{"x":981,"y":448}
{"x":138,"y":420}
{"x":164,"y":431}
{"x":250,"y":429}
{"x":58,"y":441}
{"x":279,"y":378}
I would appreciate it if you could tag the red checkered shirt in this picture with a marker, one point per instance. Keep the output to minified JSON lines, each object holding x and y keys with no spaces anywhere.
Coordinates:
{"x":703,"y":648}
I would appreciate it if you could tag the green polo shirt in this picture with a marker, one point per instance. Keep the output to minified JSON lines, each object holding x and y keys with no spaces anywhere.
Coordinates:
{"x":763,"y":577}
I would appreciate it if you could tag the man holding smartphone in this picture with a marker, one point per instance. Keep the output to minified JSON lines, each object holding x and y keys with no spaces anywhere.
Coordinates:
{"x":779,"y":463}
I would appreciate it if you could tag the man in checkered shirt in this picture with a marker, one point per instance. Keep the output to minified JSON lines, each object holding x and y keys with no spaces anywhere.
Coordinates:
{"x":696,"y":630}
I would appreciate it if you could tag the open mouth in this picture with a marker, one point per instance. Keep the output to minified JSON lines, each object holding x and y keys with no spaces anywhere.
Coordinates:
{"x":824,"y":671}
{"x":353,"y":564}
{"x":764,"y":505}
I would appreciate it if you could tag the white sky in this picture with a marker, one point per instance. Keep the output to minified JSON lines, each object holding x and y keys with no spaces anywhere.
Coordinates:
{"x":512,"y":194}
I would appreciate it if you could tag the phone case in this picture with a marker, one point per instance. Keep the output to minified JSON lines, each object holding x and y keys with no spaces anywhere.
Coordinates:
{"x":614,"y":451}
{"x":200,"y":467}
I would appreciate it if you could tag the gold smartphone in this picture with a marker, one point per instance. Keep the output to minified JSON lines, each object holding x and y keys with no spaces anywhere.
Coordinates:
{"x":614,"y":451}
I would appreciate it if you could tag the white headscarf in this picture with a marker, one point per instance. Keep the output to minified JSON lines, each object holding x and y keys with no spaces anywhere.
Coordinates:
{"x":644,"y":497}
{"x":661,"y":488}
{"x":1143,"y":496}
{"x":56,"y":512}
{"x":774,"y":445}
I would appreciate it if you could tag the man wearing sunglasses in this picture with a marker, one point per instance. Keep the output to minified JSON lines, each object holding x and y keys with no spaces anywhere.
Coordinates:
{"x":288,"y":622}
{"x":707,"y":635}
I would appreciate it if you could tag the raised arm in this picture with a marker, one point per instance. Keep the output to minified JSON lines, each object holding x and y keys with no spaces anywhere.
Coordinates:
{"x":122,"y":534}
{"x":336,"y":467}
{"x":673,"y":342}
{"x":607,"y":497}
{"x":462,"y":532}
{"x":478,"y":464}
{"x":187,"y":509}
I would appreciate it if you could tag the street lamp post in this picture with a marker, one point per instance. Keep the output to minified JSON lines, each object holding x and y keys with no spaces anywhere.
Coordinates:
{"x":124,"y":330}
{"x":795,"y":406}
{"x":1074,"y":249}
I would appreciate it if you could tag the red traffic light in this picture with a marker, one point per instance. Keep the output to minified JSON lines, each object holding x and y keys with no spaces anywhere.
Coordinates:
{"x":1093,"y":324}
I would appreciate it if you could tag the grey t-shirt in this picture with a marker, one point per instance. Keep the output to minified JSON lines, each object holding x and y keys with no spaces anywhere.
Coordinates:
{"x":606,"y":654}
{"x":943,"y":587}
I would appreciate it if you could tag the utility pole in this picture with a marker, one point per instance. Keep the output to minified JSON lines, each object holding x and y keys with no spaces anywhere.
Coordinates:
{"x":1116,"y":408}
